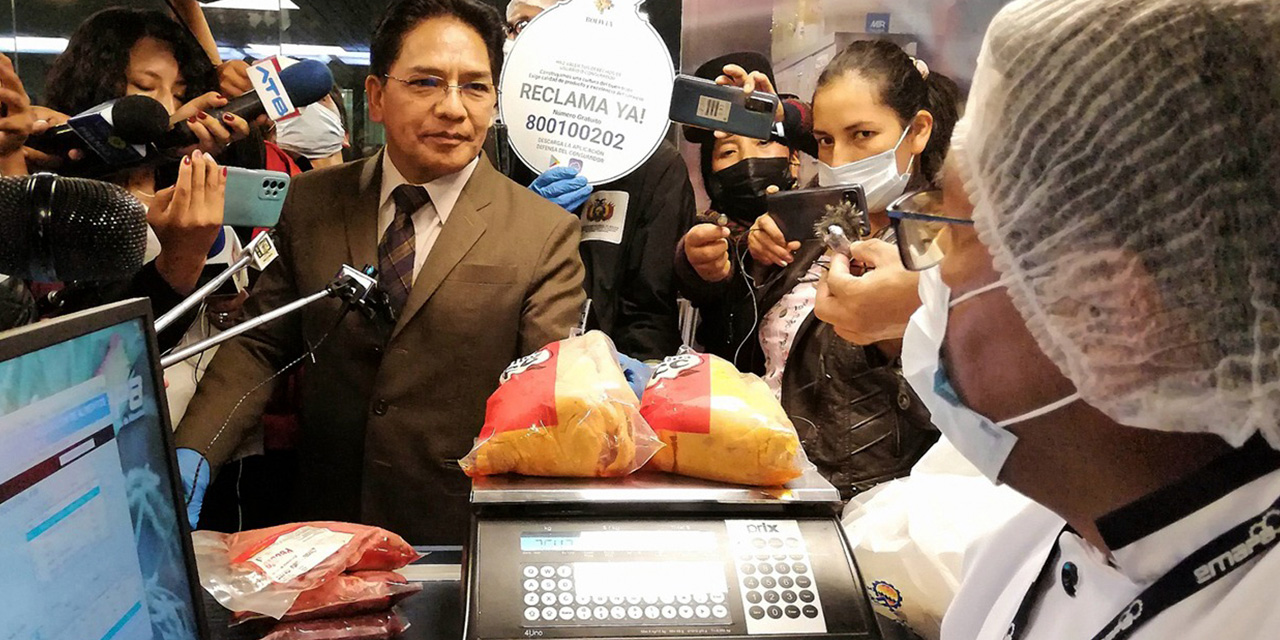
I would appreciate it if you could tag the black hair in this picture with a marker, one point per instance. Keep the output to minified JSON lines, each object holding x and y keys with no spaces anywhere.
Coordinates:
{"x":905,"y":90}
{"x":93,"y":68}
{"x":402,"y":16}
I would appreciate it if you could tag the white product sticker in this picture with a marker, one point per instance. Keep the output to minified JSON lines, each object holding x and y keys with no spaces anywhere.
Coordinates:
{"x":265,"y":76}
{"x":588,"y":85}
{"x":298,"y":552}
{"x":604,"y":216}
{"x":714,"y":108}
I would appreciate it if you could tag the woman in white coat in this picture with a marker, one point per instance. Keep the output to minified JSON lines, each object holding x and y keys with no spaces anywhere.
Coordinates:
{"x":1103,"y":334}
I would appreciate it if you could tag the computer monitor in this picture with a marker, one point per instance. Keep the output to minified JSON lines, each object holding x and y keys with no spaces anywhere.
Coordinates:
{"x":94,"y":542}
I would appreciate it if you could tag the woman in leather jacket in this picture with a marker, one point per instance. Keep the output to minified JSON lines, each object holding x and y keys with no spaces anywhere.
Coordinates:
{"x":858,"y":419}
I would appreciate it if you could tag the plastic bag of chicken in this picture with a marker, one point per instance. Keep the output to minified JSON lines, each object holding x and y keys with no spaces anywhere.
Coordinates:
{"x":720,"y":424}
{"x":564,"y":411}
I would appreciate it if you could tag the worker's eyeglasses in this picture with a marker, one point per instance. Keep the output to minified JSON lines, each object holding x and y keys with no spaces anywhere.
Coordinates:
{"x":917,"y":223}
{"x":514,"y":28}
{"x":435,"y":88}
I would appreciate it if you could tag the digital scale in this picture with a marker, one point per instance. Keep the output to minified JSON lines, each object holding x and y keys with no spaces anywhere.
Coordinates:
{"x":659,"y":555}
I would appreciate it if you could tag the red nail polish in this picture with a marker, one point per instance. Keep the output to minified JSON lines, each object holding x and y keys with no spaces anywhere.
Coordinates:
{"x":186,"y":160}
{"x":224,"y":172}
{"x":191,"y":119}
{"x":228,"y":117}
{"x":203,"y":115}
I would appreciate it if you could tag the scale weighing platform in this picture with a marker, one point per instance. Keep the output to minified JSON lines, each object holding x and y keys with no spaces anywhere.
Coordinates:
{"x":658,"y":555}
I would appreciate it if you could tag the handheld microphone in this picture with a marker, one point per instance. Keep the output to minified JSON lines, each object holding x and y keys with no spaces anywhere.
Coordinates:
{"x":114,"y":131}
{"x":62,"y":229}
{"x":306,"y":82}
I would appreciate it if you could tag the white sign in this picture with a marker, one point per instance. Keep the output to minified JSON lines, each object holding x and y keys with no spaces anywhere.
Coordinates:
{"x":588,"y":85}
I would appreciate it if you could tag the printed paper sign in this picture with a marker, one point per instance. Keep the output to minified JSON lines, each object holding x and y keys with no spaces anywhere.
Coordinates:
{"x":588,"y":85}
{"x":604,"y":216}
{"x":298,"y":552}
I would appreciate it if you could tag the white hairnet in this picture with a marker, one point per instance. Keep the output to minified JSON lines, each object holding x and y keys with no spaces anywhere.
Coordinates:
{"x":1122,"y":157}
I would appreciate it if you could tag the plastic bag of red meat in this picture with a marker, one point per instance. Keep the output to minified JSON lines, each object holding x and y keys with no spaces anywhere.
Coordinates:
{"x":349,"y":594}
{"x":381,"y":626}
{"x":265,"y":570}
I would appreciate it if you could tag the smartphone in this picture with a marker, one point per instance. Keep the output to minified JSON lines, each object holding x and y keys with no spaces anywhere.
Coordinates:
{"x":254,"y":197}
{"x":702,"y":103}
{"x":798,"y":212}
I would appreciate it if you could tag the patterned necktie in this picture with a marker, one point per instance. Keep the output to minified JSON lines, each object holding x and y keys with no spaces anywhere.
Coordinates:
{"x":396,"y":251}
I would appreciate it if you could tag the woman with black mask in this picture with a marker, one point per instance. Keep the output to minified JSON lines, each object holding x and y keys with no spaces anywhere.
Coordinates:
{"x":858,"y":419}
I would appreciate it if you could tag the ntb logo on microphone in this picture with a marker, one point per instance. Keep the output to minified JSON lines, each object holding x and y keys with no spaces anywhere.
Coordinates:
{"x":265,"y":75}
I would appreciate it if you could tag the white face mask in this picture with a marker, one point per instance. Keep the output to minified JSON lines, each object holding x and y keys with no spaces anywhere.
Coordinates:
{"x":878,"y":176}
{"x":985,"y":443}
{"x":317,"y":133}
{"x":507,"y":46}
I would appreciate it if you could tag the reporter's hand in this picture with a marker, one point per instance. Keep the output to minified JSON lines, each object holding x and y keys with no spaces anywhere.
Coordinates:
{"x":233,"y":78}
{"x":563,"y":186}
{"x":18,"y":119}
{"x":768,"y":245}
{"x":706,"y":246}
{"x":45,"y":119}
{"x":187,"y":218}
{"x":194,"y":470}
{"x":873,"y":307}
{"x":214,"y":133}
{"x":750,"y":83}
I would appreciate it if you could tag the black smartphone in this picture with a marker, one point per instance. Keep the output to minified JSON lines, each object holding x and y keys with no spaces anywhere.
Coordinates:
{"x":798,"y":212}
{"x":702,"y":103}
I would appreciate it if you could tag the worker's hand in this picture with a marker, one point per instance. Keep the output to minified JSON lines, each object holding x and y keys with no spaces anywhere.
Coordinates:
{"x":750,"y":83}
{"x":706,"y":247}
{"x":187,"y":218}
{"x":195,"y":473}
{"x":768,"y":245}
{"x":563,"y":186}
{"x":214,"y":133}
{"x":873,"y":307}
{"x":636,"y":372}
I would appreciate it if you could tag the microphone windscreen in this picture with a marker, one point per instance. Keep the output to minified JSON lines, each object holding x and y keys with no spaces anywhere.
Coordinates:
{"x":65,"y":229}
{"x":139,"y":119}
{"x":306,"y":82}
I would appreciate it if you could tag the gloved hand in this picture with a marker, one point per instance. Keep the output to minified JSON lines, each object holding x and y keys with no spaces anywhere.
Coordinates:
{"x":195,"y":473}
{"x":637,"y":373}
{"x":562,"y":186}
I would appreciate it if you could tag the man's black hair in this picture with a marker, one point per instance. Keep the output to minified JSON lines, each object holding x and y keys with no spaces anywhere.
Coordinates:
{"x":403,"y":15}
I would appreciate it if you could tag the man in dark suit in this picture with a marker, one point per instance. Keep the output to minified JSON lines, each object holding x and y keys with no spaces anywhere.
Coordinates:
{"x":480,"y":270}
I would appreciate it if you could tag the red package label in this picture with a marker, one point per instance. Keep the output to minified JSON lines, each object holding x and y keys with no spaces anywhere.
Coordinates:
{"x":679,"y":395}
{"x":530,"y":377}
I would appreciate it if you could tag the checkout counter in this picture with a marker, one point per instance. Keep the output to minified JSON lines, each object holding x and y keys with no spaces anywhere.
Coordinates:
{"x":643,"y":556}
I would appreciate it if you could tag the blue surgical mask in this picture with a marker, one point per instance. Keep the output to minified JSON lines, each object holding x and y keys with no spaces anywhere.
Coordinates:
{"x":984,"y":442}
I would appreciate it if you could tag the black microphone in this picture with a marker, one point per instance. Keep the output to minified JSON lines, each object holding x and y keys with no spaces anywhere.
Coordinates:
{"x":62,"y":229}
{"x":110,"y":130}
{"x":305,"y":82}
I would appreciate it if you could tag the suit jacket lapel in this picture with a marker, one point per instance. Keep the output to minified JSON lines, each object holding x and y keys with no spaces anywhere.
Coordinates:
{"x":465,"y":226}
{"x":361,"y":215}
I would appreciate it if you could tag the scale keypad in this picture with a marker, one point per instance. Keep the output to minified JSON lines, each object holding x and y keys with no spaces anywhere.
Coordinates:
{"x":551,"y":598}
{"x":775,"y":578}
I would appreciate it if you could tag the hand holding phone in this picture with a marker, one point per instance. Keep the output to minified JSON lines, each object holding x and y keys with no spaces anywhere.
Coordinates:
{"x":804,"y":214}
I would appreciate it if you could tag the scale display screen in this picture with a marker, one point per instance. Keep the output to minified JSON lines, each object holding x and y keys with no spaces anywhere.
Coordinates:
{"x":669,"y":541}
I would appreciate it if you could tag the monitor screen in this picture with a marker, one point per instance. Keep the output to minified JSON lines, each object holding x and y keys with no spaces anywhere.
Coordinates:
{"x":90,"y":535}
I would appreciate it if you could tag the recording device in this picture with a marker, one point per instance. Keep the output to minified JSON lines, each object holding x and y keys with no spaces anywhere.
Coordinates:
{"x":116,"y":131}
{"x":306,"y":82}
{"x":702,"y":103}
{"x":798,"y":212}
{"x":254,"y":198}
{"x":62,"y":229}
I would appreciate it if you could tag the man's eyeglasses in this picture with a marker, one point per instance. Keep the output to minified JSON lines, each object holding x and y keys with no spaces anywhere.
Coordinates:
{"x":514,"y":28}
{"x":917,"y":223}
{"x":434,"y":88}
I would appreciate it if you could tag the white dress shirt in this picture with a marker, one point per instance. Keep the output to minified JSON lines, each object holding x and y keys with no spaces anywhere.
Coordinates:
{"x":430,"y":219}
{"x":1149,"y":538}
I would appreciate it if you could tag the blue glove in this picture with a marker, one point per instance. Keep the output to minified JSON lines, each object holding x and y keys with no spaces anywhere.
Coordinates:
{"x":562,"y":186}
{"x":637,"y":373}
{"x":194,"y":470}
